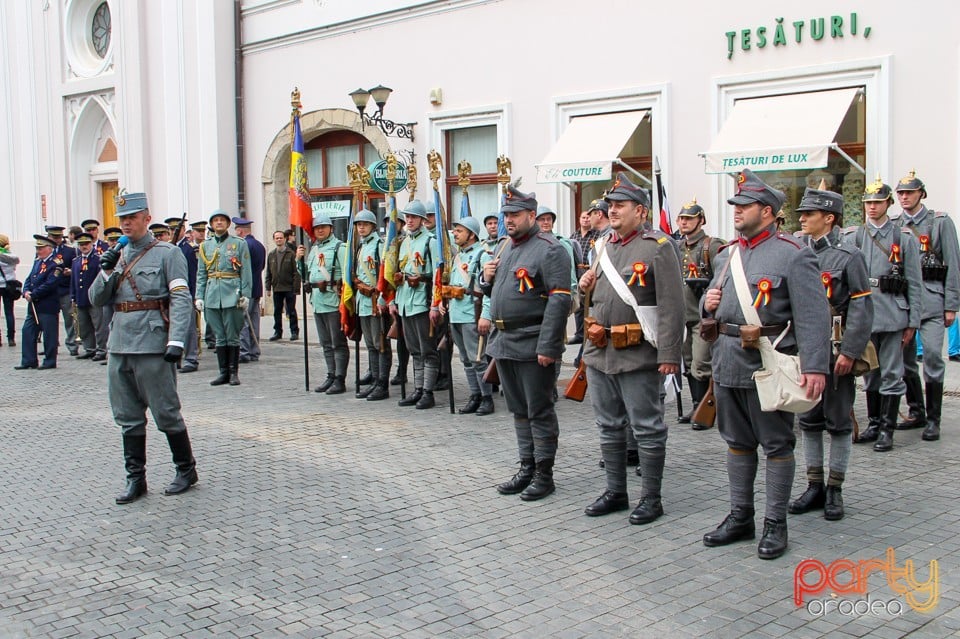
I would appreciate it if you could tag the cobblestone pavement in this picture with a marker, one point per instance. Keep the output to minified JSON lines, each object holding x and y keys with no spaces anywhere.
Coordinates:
{"x":321,"y":516}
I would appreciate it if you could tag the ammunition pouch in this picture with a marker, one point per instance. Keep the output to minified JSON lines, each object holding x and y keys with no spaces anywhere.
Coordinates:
{"x":934,"y":272}
{"x":750,"y":336}
{"x":413,"y":281}
{"x":697,"y":284}
{"x":709,"y":329}
{"x":624,"y":335}
{"x":596,"y":333}
{"x":320,"y":286}
{"x":452,"y":292}
{"x":363,"y":289}
{"x":895,"y":284}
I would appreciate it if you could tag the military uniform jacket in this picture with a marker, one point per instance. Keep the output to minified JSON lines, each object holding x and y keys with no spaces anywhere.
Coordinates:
{"x":936,"y":232}
{"x":190,"y":254}
{"x":693,"y":263}
{"x":369,"y":258}
{"x":84,"y":271}
{"x":100,"y":246}
{"x":532,"y":284}
{"x":890,"y":312}
{"x":63,"y":257}
{"x":659,"y":285}
{"x":325,"y":264}
{"x":415,"y":258}
{"x":843,"y":273}
{"x":160,"y":274}
{"x":258,"y":260}
{"x":223,"y":274}
{"x":43,"y":285}
{"x":792,"y":273}
{"x":465,"y":273}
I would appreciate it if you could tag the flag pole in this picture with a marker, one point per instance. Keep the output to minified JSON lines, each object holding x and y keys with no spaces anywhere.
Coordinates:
{"x":301,"y":239}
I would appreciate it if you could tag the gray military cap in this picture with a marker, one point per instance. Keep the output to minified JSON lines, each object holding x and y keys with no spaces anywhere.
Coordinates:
{"x":821,"y":200}
{"x":518,"y":201}
{"x":751,"y":188}
{"x":625,"y":190}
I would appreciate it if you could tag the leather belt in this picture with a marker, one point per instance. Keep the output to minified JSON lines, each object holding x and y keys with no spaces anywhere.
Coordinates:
{"x":145,"y":305}
{"x":514,"y":324}
{"x":218,"y":275}
{"x":733,"y":330}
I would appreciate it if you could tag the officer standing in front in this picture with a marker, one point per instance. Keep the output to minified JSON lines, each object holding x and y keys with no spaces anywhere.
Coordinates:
{"x":42,"y":293}
{"x":223,"y":293}
{"x":146,"y":284}
{"x":529,"y":289}
{"x":627,"y":356}
{"x":843,"y":274}
{"x":892,"y":255}
{"x":784,"y":282}
{"x":940,"y":269}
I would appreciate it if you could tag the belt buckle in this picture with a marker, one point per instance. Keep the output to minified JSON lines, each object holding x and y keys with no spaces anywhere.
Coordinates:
{"x":499,"y":324}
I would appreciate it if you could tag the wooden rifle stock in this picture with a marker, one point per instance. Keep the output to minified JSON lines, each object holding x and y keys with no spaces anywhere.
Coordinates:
{"x":706,"y":412}
{"x":491,"y":376}
{"x":577,"y":386}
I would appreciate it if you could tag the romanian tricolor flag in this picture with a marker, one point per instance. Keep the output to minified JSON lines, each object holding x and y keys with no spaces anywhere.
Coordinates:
{"x":443,"y":250}
{"x":348,"y":299}
{"x":301,"y":213}
{"x":388,"y":265}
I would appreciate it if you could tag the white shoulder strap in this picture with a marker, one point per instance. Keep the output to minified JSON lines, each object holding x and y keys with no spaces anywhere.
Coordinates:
{"x":646,"y":315}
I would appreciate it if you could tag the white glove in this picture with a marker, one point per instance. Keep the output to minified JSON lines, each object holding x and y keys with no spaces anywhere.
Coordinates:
{"x":199,"y":305}
{"x":242,"y":303}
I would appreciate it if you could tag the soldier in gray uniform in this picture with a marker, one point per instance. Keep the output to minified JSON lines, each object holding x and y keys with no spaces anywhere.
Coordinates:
{"x":529,"y":288}
{"x":893,"y":263}
{"x":843,"y":274}
{"x":784,"y":278}
{"x":629,"y":355}
{"x":940,"y":269}
{"x":698,"y":251}
{"x":146,"y":283}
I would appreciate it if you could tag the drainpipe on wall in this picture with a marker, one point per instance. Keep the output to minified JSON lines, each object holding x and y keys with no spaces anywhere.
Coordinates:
{"x":238,"y":100}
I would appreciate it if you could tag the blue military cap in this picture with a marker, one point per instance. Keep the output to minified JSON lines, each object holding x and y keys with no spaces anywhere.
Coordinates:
{"x":912,"y":183}
{"x":365,"y":216}
{"x":322,"y":219}
{"x":219,"y":213}
{"x":242,"y":221}
{"x":54,"y":231}
{"x":623,"y":189}
{"x":821,"y":200}
{"x":518,"y":201}
{"x":546,"y":210}
{"x":877,"y":191}
{"x":752,"y":189}
{"x":415,"y":207}
{"x":43,"y":240}
{"x":472,"y":224}
{"x":130,"y":203}
{"x":84,"y":238}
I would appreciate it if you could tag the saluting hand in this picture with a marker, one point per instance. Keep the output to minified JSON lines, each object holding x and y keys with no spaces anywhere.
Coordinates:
{"x":711,"y":300}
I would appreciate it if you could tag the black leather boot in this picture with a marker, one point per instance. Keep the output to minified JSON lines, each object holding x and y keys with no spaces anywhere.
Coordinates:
{"x":918,"y":416}
{"x":486,"y":406}
{"x":692,"y":385}
{"x":135,"y":461}
{"x":934,"y":405}
{"x":738,"y":526}
{"x":399,"y":378}
{"x":774,"y":541}
{"x":812,"y":499}
{"x":412,"y":398}
{"x":833,"y":506}
{"x":366,"y":380}
{"x":426,"y":400}
{"x":186,"y":465}
{"x":471,"y":406}
{"x":608,"y":502}
{"x":873,"y":414}
{"x":366,"y":392}
{"x":889,"y":410}
{"x":380,"y":391}
{"x":649,"y":509}
{"x":338,"y":387}
{"x":519,"y":481}
{"x":327,"y":383}
{"x":223,"y":361}
{"x":704,"y":385}
{"x":234,"y":365}
{"x":542,"y":484}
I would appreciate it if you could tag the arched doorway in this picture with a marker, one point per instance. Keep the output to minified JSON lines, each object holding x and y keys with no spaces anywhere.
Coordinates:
{"x":93,"y":163}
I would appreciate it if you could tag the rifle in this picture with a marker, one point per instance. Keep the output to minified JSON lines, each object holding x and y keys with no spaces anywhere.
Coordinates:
{"x":706,"y":412}
{"x":178,"y":234}
{"x":75,"y":316}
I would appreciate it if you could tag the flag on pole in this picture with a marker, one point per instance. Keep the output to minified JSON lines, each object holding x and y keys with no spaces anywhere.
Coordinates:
{"x":501,"y":224}
{"x":442,"y":250}
{"x":464,"y":205}
{"x":348,"y":302}
{"x":301,"y":213}
{"x":665,"y":224}
{"x":388,"y":265}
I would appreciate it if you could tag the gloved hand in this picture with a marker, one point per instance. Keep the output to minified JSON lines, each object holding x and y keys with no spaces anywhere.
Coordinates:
{"x":242,"y":303}
{"x":199,"y":305}
{"x":172,"y":354}
{"x":109,"y":259}
{"x":307,"y":287}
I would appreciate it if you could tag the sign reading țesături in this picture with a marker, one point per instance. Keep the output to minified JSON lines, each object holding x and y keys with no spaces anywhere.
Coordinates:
{"x":814,"y":29}
{"x":378,"y":177}
{"x":333,"y":208}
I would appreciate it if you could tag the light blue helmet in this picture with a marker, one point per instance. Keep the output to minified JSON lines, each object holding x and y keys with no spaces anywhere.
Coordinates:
{"x":469,"y":223}
{"x":365,"y":216}
{"x":415,"y":207}
{"x":322,"y":219}
{"x":430,"y":207}
{"x":546,"y":210}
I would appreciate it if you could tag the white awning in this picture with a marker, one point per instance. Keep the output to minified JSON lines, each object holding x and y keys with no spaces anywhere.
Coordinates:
{"x":588,"y":147}
{"x":779,"y":133}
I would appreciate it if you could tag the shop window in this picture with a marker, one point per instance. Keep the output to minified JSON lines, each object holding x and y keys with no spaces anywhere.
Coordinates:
{"x":478,"y":146}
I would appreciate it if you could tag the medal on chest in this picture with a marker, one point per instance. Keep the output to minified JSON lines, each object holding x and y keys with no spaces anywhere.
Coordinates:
{"x":692,"y":270}
{"x":637,"y":276}
{"x":523,"y":277}
{"x":895,"y":254}
{"x":924,"y":243}
{"x":827,"y":282}
{"x":418,"y":259}
{"x":763,"y":293}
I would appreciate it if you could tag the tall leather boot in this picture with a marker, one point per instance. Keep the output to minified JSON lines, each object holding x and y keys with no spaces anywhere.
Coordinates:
{"x":934,"y":405}
{"x":135,"y":461}
{"x":917,"y":417}
{"x":519,"y":481}
{"x":889,"y":410}
{"x":183,"y":459}
{"x":692,"y":385}
{"x":542,"y":484}
{"x":327,"y":383}
{"x":233,"y":366}
{"x":223,"y":361}
{"x":381,"y":389}
{"x":702,"y":387}
{"x":873,"y":414}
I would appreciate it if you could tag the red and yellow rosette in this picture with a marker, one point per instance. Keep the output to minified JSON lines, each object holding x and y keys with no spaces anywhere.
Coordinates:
{"x":418,"y":259}
{"x":523,"y":276}
{"x":895,"y":254}
{"x":43,"y":267}
{"x":763,"y":293}
{"x":464,"y":267}
{"x":235,"y":262}
{"x":827,"y":281}
{"x":692,"y":270}
{"x":639,"y":270}
{"x":83,"y":264}
{"x":370,"y":261}
{"x":321,"y":259}
{"x":924,"y":243}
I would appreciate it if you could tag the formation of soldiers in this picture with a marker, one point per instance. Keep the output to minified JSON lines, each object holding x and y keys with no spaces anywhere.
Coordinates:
{"x":848,"y":301}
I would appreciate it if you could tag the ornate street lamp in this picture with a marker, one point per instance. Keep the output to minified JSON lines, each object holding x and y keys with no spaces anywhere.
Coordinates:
{"x":380,"y":94}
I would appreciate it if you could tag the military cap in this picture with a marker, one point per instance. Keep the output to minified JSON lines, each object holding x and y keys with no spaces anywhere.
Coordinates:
{"x":172,"y":222}
{"x":90,"y":224}
{"x":219,"y":213}
{"x":912,"y":183}
{"x":84,"y":238}
{"x":623,"y":189}
{"x":415,"y":207}
{"x":599,"y":204}
{"x":54,"y":231}
{"x":112,"y":233}
{"x":751,"y":188}
{"x":472,"y":224}
{"x":322,"y":219}
{"x":364,"y":216}
{"x":43,"y":240}
{"x":130,"y":203}
{"x":242,"y":221}
{"x":199,"y":225}
{"x":546,"y":210}
{"x":159,"y":227}
{"x":494,"y":215}
{"x":692,"y":209}
{"x":518,"y":201}
{"x":877,"y":191}
{"x":821,"y":200}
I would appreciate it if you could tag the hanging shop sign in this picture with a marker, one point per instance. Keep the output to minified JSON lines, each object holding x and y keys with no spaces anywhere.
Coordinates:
{"x":378,"y":177}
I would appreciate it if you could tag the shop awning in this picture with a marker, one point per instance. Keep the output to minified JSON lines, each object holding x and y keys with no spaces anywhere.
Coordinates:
{"x":588,"y":147}
{"x":780,"y":133}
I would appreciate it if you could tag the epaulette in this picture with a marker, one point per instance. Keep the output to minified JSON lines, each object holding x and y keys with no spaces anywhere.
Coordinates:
{"x":789,"y":239}
{"x":849,"y":229}
{"x":654,"y":234}
{"x":940,"y":214}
